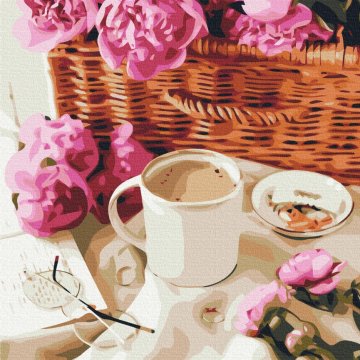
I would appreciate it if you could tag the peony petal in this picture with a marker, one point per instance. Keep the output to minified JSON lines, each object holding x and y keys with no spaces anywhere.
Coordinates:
{"x":266,"y":10}
{"x":195,"y":24}
{"x":338,"y":267}
{"x":79,"y":28}
{"x":155,"y":63}
{"x":324,"y":286}
{"x":30,"y":128}
{"x":112,"y":56}
{"x":122,"y":134}
{"x":321,"y":265}
{"x":302,"y":16}
{"x":32,"y":39}
{"x":92,"y":9}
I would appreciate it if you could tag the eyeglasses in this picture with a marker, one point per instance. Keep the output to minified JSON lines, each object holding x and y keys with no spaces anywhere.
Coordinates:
{"x":58,"y":289}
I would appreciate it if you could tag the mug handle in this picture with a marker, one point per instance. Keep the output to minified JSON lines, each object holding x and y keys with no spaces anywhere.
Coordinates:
{"x":115,"y":220}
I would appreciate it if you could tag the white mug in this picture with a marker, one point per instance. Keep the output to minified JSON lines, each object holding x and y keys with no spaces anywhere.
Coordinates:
{"x":187,"y":243}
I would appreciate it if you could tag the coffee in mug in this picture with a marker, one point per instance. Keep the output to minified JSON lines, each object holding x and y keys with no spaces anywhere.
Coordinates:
{"x":190,"y":181}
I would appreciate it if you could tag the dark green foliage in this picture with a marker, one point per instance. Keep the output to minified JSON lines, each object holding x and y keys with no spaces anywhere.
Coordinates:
{"x":339,"y":12}
{"x":214,"y":19}
{"x":325,"y":302}
{"x":356,"y":319}
{"x":331,"y":11}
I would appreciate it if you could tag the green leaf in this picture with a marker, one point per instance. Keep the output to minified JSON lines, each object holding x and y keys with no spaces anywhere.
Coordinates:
{"x":351,"y":31}
{"x":326,"y":302}
{"x":356,"y":319}
{"x":355,"y":290}
{"x":47,"y":162}
{"x":14,"y":200}
{"x":338,"y":12}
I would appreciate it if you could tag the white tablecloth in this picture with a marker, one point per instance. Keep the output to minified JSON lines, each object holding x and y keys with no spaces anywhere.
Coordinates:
{"x":175,"y":312}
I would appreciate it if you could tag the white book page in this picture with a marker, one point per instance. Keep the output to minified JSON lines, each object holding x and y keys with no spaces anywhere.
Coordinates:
{"x":26,"y":253}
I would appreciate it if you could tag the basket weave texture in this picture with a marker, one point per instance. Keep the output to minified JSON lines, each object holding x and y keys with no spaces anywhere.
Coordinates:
{"x":298,"y":110}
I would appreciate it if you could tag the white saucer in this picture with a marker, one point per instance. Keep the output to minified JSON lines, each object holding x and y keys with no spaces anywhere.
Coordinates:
{"x":301,"y":187}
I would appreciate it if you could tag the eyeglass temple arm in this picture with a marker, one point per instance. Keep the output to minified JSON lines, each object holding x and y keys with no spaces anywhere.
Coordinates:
{"x":123,"y":322}
{"x":54,"y":274}
{"x":96,"y":312}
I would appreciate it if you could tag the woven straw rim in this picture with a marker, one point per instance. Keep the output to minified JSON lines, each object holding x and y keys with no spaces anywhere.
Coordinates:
{"x":331,"y":55}
{"x":317,"y":53}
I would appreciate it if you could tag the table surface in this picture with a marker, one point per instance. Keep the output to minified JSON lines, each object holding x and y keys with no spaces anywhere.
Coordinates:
{"x":122,"y":277}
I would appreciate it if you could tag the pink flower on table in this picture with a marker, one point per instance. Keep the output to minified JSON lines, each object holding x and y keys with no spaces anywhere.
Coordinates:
{"x":102,"y":186}
{"x":266,"y":10}
{"x":151,"y":34}
{"x":20,"y":167}
{"x":274,"y":37}
{"x":252,"y":309}
{"x":70,"y":143}
{"x":126,"y":159}
{"x":313,"y":269}
{"x":56,"y":198}
{"x":64,"y":140}
{"x":129,"y":156}
{"x":47,"y":142}
{"x":47,"y":23}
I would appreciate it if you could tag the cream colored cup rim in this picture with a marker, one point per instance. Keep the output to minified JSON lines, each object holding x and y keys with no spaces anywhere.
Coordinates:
{"x":215,"y":154}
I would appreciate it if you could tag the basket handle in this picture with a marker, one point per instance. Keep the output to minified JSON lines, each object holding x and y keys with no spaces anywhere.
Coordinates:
{"x":197,"y":108}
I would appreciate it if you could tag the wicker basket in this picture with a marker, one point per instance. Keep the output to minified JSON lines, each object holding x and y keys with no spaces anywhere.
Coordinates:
{"x":298,"y":110}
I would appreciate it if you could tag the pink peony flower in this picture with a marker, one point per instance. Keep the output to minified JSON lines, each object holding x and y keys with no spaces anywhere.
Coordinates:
{"x":266,"y":10}
{"x":126,"y":159}
{"x":253,"y":308}
{"x":129,"y":156}
{"x":19,"y":167}
{"x":277,"y":36}
{"x":64,"y":140}
{"x":151,"y":34}
{"x":312,"y":269}
{"x":55,"y":199}
{"x":103,"y":185}
{"x":47,"y":23}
